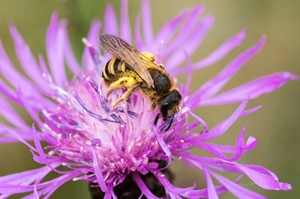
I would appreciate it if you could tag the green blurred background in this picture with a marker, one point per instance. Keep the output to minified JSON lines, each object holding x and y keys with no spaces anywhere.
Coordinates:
{"x":276,"y":125}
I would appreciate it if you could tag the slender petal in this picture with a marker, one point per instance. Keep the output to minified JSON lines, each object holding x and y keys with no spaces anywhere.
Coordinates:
{"x":212,"y":193}
{"x":216,"y":55}
{"x":92,"y":37}
{"x":236,"y":189}
{"x":142,"y":186}
{"x":196,"y":38}
{"x":125,"y":29}
{"x":26,"y":58}
{"x":70,"y":57}
{"x":223,"y":126}
{"x":214,"y":85}
{"x":189,"y":24}
{"x":147,"y":22}
{"x":167,"y":32}
{"x":237,"y":150}
{"x":11,"y":74}
{"x":55,"y":47}
{"x":110,"y":21}
{"x":137,"y":34}
{"x":99,"y":174}
{"x":8,"y":112}
{"x":252,"y":89}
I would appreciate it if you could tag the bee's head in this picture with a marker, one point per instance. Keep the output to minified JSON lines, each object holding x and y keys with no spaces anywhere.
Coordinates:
{"x":169,"y":104}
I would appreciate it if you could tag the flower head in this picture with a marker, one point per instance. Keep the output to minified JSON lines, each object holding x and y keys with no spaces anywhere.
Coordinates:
{"x":106,"y":146}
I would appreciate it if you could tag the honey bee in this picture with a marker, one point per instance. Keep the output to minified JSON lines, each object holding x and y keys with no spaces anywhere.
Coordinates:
{"x":136,"y":70}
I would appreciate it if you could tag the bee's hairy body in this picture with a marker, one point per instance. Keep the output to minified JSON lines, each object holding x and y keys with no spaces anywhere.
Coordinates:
{"x":117,"y":74}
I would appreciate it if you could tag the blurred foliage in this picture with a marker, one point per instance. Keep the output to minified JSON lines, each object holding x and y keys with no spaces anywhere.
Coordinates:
{"x":276,"y":125}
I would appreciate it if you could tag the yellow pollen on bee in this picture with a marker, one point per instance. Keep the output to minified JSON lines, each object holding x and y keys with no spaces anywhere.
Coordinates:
{"x":149,"y":56}
{"x":111,"y":66}
{"x":123,"y":67}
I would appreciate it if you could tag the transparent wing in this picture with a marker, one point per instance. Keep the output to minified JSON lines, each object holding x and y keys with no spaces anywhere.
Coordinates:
{"x":127,"y":53}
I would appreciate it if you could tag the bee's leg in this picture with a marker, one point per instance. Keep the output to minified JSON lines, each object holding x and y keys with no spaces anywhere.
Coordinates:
{"x":120,"y":83}
{"x":156,"y":118}
{"x":125,"y":96}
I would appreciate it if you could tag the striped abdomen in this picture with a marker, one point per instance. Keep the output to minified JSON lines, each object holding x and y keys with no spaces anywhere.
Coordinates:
{"x":114,"y":67}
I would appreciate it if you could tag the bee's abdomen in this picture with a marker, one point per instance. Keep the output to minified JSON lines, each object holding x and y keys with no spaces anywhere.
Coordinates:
{"x":113,"y":68}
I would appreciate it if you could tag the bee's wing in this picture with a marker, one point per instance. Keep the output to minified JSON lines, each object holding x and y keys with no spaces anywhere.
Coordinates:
{"x":147,"y":62}
{"x":125,"y":52}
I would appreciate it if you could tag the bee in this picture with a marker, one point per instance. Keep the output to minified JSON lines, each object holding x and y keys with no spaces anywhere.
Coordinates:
{"x":136,"y":70}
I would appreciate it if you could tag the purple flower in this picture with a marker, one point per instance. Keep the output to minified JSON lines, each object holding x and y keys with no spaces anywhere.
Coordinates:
{"x":98,"y":145}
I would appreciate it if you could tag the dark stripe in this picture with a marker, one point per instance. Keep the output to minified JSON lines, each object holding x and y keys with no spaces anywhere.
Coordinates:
{"x":106,"y":68}
{"x":116,"y":69}
{"x":127,"y":67}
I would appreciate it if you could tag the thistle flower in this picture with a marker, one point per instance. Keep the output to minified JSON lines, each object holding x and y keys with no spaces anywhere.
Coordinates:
{"x":105,"y":147}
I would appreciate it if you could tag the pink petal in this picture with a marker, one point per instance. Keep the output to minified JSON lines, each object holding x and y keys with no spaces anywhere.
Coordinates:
{"x":223,"y":126}
{"x":263,"y":170}
{"x":9,"y":113}
{"x":23,"y":178}
{"x":70,"y":57}
{"x":259,"y":175}
{"x":125,"y":29}
{"x":218,"y":150}
{"x":26,"y":58}
{"x":49,"y":187}
{"x":212,"y":193}
{"x":38,"y":146}
{"x":140,"y":44}
{"x":14,"y":189}
{"x":168,"y":31}
{"x":17,"y":136}
{"x":142,"y":186}
{"x":110,"y":21}
{"x":189,"y":71}
{"x":183,"y":34}
{"x":250,"y":111}
{"x":7,"y":137}
{"x":163,"y":145}
{"x":11,"y":74}
{"x":43,"y":65}
{"x":55,"y":47}
{"x":58,"y":182}
{"x":186,"y":192}
{"x":253,"y":89}
{"x":191,"y":43}
{"x":98,"y":173}
{"x":236,"y":189}
{"x":147,"y":22}
{"x":216,"y":55}
{"x":219,"y":189}
{"x":97,"y":62}
{"x":93,"y":38}
{"x":109,"y":194}
{"x":213,"y":86}
{"x":22,"y":96}
{"x":250,"y":144}
{"x":263,"y":180}
{"x":200,"y":121}
{"x":9,"y":93}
